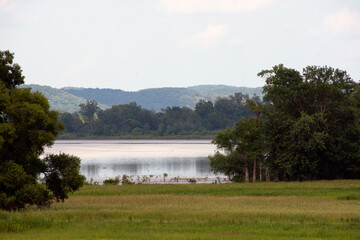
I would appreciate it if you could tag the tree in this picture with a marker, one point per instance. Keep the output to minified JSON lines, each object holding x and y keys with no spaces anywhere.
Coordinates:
{"x":242,"y":146}
{"x":26,"y":126}
{"x":311,"y":123}
{"x":89,"y":111}
{"x":10,"y":73}
{"x":308,"y":128}
{"x":230,"y":162}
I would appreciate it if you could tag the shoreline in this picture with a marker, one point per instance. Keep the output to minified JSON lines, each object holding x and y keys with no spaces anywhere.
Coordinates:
{"x":185,"y":137}
{"x":161,"y":180}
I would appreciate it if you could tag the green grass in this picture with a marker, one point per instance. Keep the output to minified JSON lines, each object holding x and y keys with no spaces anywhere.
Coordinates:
{"x":290,"y":210}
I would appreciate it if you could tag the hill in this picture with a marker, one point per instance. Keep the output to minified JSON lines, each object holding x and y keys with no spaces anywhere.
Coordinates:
{"x":68,"y":99}
{"x":214,"y":91}
{"x":160,"y":98}
{"x":60,"y":100}
{"x":153,"y":99}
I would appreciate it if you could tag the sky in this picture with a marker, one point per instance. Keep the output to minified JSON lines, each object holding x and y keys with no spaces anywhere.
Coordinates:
{"x":138,"y":44}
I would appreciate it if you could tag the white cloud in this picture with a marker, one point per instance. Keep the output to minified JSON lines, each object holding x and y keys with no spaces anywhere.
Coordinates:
{"x":211,"y":6}
{"x":3,"y":3}
{"x":211,"y":37}
{"x":344,"y":20}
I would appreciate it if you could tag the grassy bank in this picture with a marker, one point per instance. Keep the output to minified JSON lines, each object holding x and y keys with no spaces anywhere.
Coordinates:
{"x":307,"y":210}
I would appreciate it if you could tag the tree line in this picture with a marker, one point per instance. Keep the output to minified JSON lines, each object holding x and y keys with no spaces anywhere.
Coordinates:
{"x":132,"y":120}
{"x":308,"y":128}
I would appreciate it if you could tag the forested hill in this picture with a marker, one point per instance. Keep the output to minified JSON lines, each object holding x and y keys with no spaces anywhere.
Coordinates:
{"x":60,"y":100}
{"x":160,"y":98}
{"x":214,"y":91}
{"x":68,"y":99}
{"x":153,"y":99}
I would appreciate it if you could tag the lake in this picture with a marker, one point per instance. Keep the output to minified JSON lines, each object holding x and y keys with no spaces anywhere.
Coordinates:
{"x":102,"y":159}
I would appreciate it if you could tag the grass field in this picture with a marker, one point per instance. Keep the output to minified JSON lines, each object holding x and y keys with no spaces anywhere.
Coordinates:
{"x":290,"y":210}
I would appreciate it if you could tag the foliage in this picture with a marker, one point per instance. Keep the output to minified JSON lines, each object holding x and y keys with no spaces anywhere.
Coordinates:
{"x":133,"y":120}
{"x":308,"y":128}
{"x":26,"y":127}
{"x":10,"y":72}
{"x":18,"y":188}
{"x":125,"y":180}
{"x":89,"y":112}
{"x":62,"y":174}
{"x":114,"y":181}
{"x":242,"y":146}
{"x":311,"y":124}
{"x":192,"y":180}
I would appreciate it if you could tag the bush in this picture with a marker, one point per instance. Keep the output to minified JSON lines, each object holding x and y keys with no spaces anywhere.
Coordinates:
{"x":125,"y":180}
{"x":112,"y":181}
{"x":192,"y":180}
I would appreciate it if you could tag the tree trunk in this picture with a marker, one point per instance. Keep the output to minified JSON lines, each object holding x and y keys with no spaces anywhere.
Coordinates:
{"x":254,"y":171}
{"x":267,"y":175}
{"x":246,"y":173}
{"x":276,"y":179}
{"x":260,"y":176}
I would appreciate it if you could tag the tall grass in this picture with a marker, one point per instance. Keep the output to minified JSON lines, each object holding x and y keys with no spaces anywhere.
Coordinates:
{"x":308,"y":210}
{"x":333,"y":189}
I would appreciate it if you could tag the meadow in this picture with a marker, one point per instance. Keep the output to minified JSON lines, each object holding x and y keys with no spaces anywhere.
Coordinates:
{"x":282,"y":210}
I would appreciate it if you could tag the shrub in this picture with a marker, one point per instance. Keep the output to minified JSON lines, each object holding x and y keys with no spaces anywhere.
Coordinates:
{"x":114,"y":181}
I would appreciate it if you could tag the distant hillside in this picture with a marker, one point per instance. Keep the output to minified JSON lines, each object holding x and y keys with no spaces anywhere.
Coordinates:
{"x":160,"y":98}
{"x":214,"y":91}
{"x":68,"y":99}
{"x":153,"y":99}
{"x":59,"y":100}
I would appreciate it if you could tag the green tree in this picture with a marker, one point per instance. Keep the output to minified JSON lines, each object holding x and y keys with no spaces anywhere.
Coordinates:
{"x":311,"y":123}
{"x":242,"y":147}
{"x":88,"y":111}
{"x":26,"y":126}
{"x":10,"y":72}
{"x":229,"y":162}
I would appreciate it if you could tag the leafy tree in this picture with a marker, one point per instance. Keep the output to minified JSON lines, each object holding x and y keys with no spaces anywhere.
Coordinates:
{"x":123,"y":119}
{"x":88,"y":111}
{"x":26,"y":127}
{"x":311,"y":124}
{"x":72,"y":121}
{"x":62,"y":174}
{"x":10,"y":72}
{"x":309,"y":128}
{"x":205,"y":109}
{"x":230,"y":162}
{"x":242,"y":146}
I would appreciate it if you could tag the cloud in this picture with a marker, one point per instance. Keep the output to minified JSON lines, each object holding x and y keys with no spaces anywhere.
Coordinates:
{"x":344,"y":20}
{"x":3,"y":3}
{"x":211,"y":37}
{"x":211,"y":6}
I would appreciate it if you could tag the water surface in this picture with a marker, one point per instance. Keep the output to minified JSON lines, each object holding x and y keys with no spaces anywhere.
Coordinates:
{"x":103,"y":159}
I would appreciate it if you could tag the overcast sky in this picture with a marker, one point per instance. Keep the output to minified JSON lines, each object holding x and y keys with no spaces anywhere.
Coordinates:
{"x":137,"y":44}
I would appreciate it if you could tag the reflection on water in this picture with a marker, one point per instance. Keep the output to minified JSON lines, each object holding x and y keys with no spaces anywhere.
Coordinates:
{"x":111,"y":158}
{"x":188,"y":167}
